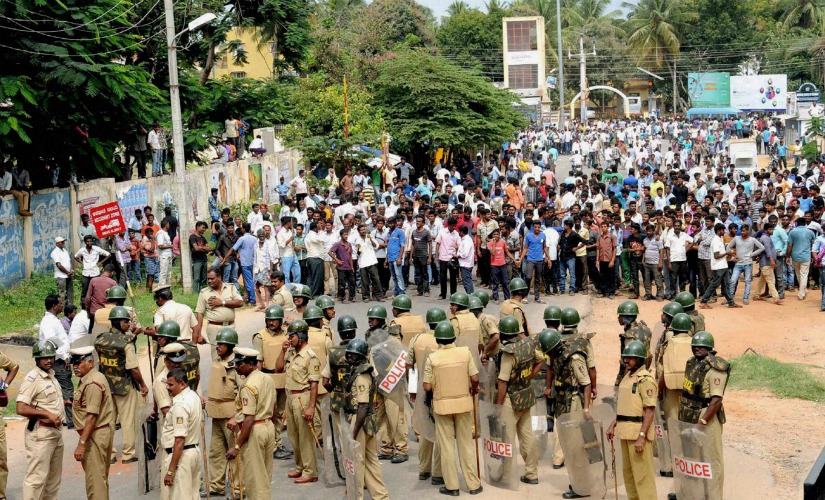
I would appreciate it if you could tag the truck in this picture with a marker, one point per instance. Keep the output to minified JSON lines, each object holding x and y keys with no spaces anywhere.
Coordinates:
{"x":743,"y":156}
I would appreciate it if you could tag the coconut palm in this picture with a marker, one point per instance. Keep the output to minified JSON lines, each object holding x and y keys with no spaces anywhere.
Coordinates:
{"x":804,"y":14}
{"x":457,"y":7}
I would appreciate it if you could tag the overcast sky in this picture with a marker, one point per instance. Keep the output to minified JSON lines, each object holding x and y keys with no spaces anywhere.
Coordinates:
{"x":439,"y":7}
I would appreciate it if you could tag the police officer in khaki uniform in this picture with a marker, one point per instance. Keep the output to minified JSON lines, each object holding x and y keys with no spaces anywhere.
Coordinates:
{"x":216,"y":306}
{"x":634,"y":329}
{"x":519,"y":362}
{"x":429,"y":453}
{"x":320,"y":344}
{"x":255,"y":440}
{"x":359,"y":407}
{"x":94,"y":415}
{"x":115,"y":296}
{"x":303,"y":374}
{"x":410,"y":325}
{"x":41,"y":401}
{"x":11,"y":368}
{"x":688,"y":302}
{"x":335,"y":374}
{"x":301,"y":295}
{"x":634,"y":423}
{"x":451,"y":375}
{"x":672,"y":357}
{"x":281,"y":296}
{"x":119,"y":364}
{"x":391,"y":418}
{"x":173,"y":356}
{"x":489,"y":324}
{"x":327,"y":305}
{"x":222,"y":391}
{"x":512,"y":306}
{"x":465,"y":324}
{"x":180,"y":439}
{"x":268,"y":342}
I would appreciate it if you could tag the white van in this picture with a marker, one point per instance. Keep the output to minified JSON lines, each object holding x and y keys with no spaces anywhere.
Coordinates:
{"x":743,"y":156}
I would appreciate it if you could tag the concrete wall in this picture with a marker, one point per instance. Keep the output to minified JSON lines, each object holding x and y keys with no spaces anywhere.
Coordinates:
{"x":26,"y":242}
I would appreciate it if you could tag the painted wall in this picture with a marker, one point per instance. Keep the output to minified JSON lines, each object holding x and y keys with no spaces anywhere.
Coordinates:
{"x":52,"y":218}
{"x":12,"y":260}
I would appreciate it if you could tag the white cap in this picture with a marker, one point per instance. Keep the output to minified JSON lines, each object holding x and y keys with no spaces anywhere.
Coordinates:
{"x":246,"y":352}
{"x":59,"y":239}
{"x":82,"y":351}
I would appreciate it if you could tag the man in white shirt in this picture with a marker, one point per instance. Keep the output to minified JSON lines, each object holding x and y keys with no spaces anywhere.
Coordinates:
{"x":22,"y":197}
{"x":719,"y":267}
{"x":364,"y":245}
{"x":164,"y":254}
{"x":262,"y":264}
{"x":466,"y":258}
{"x":154,"y":144}
{"x":63,"y":270}
{"x":255,"y":218}
{"x":676,"y":246}
{"x":52,"y":330}
{"x":299,"y":184}
{"x":80,"y":326}
{"x":90,"y":256}
{"x":330,"y":271}
{"x":169,"y":310}
{"x":289,"y":264}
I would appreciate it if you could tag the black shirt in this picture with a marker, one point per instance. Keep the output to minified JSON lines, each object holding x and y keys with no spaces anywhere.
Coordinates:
{"x":640,"y":241}
{"x":225,"y":243}
{"x":567,"y":242}
{"x":197,"y":255}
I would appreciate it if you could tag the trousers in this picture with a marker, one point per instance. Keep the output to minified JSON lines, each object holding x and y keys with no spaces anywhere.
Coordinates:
{"x":221,"y":441}
{"x":392,"y":422}
{"x":456,"y":431}
{"x":96,"y":463}
{"x":637,"y":468}
{"x":534,"y":268}
{"x":369,"y":474}
{"x":300,"y":435}
{"x":256,"y":461}
{"x":44,"y":463}
{"x":126,"y":407}
{"x":187,"y":476}
{"x":446,"y":272}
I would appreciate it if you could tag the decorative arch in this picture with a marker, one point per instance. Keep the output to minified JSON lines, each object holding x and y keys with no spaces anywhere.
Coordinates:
{"x":602,"y":87}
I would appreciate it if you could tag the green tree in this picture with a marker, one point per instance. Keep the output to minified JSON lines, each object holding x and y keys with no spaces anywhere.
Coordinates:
{"x":471,"y":39}
{"x":721,"y":42}
{"x":804,"y":14}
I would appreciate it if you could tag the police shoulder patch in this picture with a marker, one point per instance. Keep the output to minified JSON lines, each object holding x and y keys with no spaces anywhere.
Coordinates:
{"x":650,"y":392}
{"x":179,"y":420}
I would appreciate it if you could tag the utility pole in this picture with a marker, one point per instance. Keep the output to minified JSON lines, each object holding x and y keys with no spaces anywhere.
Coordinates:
{"x":583,"y":78}
{"x":561,"y":66}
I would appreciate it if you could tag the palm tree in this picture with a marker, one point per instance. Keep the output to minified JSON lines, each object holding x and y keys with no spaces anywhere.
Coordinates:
{"x":804,"y":14}
{"x":457,"y":7}
{"x":656,"y":28}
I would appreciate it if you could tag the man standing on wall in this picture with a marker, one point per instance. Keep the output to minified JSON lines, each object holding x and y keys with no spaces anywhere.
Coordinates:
{"x":63,"y":270}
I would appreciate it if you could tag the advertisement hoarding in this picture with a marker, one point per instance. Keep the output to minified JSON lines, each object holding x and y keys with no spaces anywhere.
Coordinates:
{"x":709,"y":90}
{"x":759,"y":92}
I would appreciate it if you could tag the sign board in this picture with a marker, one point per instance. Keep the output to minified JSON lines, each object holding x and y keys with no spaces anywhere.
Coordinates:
{"x":551,"y":82}
{"x":807,"y":92}
{"x":107,"y":219}
{"x":709,"y":90}
{"x":793,"y":104}
{"x":759,"y":92}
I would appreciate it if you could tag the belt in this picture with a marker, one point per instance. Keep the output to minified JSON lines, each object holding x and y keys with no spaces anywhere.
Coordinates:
{"x":48,"y":424}
{"x":625,"y":418}
{"x":298,"y":391}
{"x":262,"y":421}
{"x":222,"y":323}
{"x":187,"y":447}
{"x":693,"y":397}
{"x":265,"y":370}
{"x":80,"y":430}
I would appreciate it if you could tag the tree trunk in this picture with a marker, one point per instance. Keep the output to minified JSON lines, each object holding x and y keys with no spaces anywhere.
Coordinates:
{"x":209,"y":64}
{"x":672,"y":68}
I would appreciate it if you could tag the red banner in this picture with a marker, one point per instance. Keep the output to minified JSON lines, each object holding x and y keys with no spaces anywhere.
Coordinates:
{"x":107,"y":219}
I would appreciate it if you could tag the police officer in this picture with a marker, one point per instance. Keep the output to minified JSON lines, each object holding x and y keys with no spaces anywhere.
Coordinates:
{"x":222,"y":391}
{"x":169,"y":309}
{"x":119,"y":364}
{"x":180,"y":440}
{"x":518,"y":363}
{"x":634,"y":423}
{"x":252,"y":426}
{"x":115,"y":296}
{"x":634,"y":329}
{"x":429,"y":453}
{"x":489,"y":324}
{"x":320,"y":343}
{"x":268,"y":342}
{"x":169,"y":332}
{"x":303,"y":373}
{"x":94,"y":417}
{"x":552,"y":317}
{"x":327,"y":305}
{"x":465,"y":323}
{"x":335,"y":373}
{"x":452,"y":376}
{"x":706,"y":376}
{"x":173,"y":356}
{"x":359,"y":408}
{"x":376,"y":320}
{"x":41,"y":401}
{"x":688,"y":302}
{"x":281,"y":295}
{"x":670,"y":310}
{"x":391,"y":417}
{"x":512,"y":306}
{"x":216,"y":307}
{"x":411,"y":325}
{"x":11,"y":368}
{"x":301,"y":295}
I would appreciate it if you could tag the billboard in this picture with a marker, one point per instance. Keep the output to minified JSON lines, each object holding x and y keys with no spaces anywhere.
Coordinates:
{"x":759,"y":92}
{"x":524,"y":56}
{"x":709,"y":90}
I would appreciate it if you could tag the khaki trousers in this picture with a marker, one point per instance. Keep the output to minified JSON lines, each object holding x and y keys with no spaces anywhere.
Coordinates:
{"x":4,"y":464}
{"x":126,"y":407}
{"x":369,"y":474}
{"x":638,"y":471}
{"x":301,"y":435}
{"x":330,"y":278}
{"x":220,"y":442}
{"x":768,"y":277}
{"x":280,"y":408}
{"x":429,"y":457}
{"x":451,"y":431}
{"x":44,"y":463}
{"x":526,"y":440}
{"x":558,"y":453}
{"x":256,"y":462}
{"x":22,"y":198}
{"x":392,"y":425}
{"x":96,"y":463}
{"x":187,"y":477}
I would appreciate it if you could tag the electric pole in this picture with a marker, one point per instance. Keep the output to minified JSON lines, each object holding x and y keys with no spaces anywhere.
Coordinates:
{"x":583,"y":78}
{"x":561,"y":66}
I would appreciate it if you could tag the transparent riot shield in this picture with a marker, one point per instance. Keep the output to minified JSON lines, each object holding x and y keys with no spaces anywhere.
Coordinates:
{"x":497,"y":437}
{"x":587,"y":455}
{"x":422,"y":416}
{"x":697,"y":462}
{"x":389,"y":357}
{"x":487,"y":381}
{"x":330,"y":423}
{"x":376,"y":337}
{"x":149,"y":453}
{"x":352,"y":460}
{"x":538,"y":422}
{"x":661,"y":443}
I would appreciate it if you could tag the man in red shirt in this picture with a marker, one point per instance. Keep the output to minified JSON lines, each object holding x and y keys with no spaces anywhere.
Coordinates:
{"x":96,"y":294}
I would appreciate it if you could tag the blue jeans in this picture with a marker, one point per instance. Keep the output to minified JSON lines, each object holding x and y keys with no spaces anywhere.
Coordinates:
{"x":564,"y":266}
{"x":789,"y":276}
{"x":822,"y":288}
{"x":157,"y":157}
{"x":134,"y":271}
{"x":397,"y":273}
{"x":747,"y":270}
{"x":230,"y":274}
{"x":248,"y":283}
{"x":467,"y":279}
{"x":290,"y":266}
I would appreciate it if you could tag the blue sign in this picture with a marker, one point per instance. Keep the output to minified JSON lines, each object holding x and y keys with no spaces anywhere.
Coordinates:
{"x":807,"y":92}
{"x":551,"y":82}
{"x":52,"y":218}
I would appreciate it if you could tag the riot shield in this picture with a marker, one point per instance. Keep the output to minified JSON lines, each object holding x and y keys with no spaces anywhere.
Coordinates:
{"x":697,"y":464}
{"x":390,"y":360}
{"x":497,"y":436}
{"x":586,"y":453}
{"x":148,"y":450}
{"x":330,"y":423}
{"x":377,"y":337}
{"x":661,"y":442}
{"x":488,"y":381}
{"x":352,"y":460}
{"x":538,"y":422}
{"x":422,"y":416}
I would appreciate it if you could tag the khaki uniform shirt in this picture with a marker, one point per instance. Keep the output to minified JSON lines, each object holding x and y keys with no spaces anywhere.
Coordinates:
{"x":361,"y":388}
{"x":162,"y":397}
{"x":507,"y":361}
{"x":6,"y":363}
{"x":327,"y":328}
{"x":283,"y":298}
{"x":302,"y":368}
{"x":514,"y":308}
{"x":256,"y":397}
{"x":93,"y":397}
{"x":713,"y":385}
{"x":219,"y":314}
{"x":180,"y":314}
{"x":42,"y":391}
{"x":222,"y":389}
{"x":183,"y":420}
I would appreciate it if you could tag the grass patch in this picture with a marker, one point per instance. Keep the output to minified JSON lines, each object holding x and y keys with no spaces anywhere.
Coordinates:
{"x":785,"y":380}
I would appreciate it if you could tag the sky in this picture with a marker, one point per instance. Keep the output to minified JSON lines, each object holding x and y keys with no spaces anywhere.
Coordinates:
{"x":439,"y":7}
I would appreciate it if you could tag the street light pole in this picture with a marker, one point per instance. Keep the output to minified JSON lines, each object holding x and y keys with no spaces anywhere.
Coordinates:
{"x":561,"y":66}
{"x":583,"y":79}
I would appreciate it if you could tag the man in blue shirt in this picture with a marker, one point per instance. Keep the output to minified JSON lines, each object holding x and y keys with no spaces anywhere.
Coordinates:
{"x":245,"y":248}
{"x":782,"y":151}
{"x":395,"y":245}
{"x":214,"y":210}
{"x":800,"y":240}
{"x":534,"y":249}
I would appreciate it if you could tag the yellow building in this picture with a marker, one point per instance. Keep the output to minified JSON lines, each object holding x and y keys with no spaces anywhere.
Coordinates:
{"x":259,"y":57}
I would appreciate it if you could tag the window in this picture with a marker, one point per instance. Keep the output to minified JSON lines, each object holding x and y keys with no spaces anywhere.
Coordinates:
{"x":223,"y":62}
{"x":521,"y":36}
{"x":238,"y":74}
{"x":523,"y":76}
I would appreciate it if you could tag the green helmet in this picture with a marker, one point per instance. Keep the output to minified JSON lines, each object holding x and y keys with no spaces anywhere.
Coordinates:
{"x":460,"y":299}
{"x":299,"y":327}
{"x":518,"y":285}
{"x":687,"y":300}
{"x":303,"y":291}
{"x":402,"y":303}
{"x":346,"y":324}
{"x":476,"y":304}
{"x":634,"y":349}
{"x":553,"y":313}
{"x":116,"y":292}
{"x":681,"y":323}
{"x":570,"y":317}
{"x":44,"y":349}
{"x":483,"y":296}
{"x":274,"y":312}
{"x":169,"y":329}
{"x":435,"y":315}
{"x":444,"y":331}
{"x":377,"y":312}
{"x":227,"y":336}
{"x":628,"y":308}
{"x":358,"y":347}
{"x":508,"y":326}
{"x":313,"y":312}
{"x":549,"y":339}
{"x":324,"y":302}
{"x":672,"y":309}
{"x":119,"y":312}
{"x":702,"y":339}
